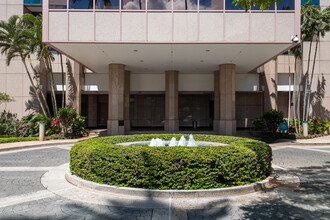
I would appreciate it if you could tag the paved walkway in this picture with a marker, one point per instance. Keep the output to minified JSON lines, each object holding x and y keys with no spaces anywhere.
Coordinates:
{"x":33,"y":187}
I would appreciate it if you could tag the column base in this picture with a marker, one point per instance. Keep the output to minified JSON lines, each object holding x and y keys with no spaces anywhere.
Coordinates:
{"x":171,"y":125}
{"x":127,"y":125}
{"x":227,"y":127}
{"x":216,"y":125}
{"x":113,"y":128}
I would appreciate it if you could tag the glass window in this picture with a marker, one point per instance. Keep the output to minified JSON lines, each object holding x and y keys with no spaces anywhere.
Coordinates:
{"x":231,"y":6}
{"x":313,"y":2}
{"x":210,"y":4}
{"x":272,"y":7}
{"x":133,"y":4}
{"x":184,"y":4}
{"x":106,"y":4}
{"x":57,"y":4}
{"x":285,"y":5}
{"x":81,"y":4}
{"x":160,"y":4}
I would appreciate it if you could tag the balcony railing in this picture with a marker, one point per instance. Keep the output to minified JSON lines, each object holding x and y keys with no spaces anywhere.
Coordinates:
{"x":32,"y":2}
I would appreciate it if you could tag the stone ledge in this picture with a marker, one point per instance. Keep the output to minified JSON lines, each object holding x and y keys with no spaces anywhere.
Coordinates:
{"x":219,"y":192}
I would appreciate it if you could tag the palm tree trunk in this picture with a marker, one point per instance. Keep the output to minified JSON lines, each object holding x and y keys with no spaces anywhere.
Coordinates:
{"x":63,"y":92}
{"x":306,"y":82}
{"x":33,"y":86}
{"x":299,"y":94}
{"x":52,"y":86}
{"x":43,"y":98}
{"x":312,"y":75}
{"x":294,"y":93}
{"x":289,"y":105}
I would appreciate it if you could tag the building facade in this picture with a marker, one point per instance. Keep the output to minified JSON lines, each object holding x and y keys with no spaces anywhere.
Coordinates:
{"x":164,"y":65}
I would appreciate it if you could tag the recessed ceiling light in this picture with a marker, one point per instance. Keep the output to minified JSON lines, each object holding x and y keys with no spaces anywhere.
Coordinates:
{"x":207,"y":50}
{"x":135,"y":50}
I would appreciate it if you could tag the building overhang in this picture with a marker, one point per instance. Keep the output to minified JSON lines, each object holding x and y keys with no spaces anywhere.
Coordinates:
{"x":157,"y":58}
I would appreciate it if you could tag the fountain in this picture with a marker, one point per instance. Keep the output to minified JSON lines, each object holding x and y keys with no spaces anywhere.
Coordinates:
{"x":182,"y":142}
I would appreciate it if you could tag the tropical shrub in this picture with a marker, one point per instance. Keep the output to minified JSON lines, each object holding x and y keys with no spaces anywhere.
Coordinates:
{"x":269,"y":121}
{"x":8,"y":123}
{"x":67,"y":116}
{"x":101,"y":160}
{"x":78,"y":127}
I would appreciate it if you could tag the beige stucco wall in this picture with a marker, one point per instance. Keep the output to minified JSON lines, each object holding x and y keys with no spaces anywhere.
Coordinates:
{"x":13,"y":79}
{"x":167,"y":27}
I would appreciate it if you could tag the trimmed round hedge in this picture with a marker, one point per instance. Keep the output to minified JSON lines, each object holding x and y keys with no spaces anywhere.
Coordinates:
{"x":242,"y":161}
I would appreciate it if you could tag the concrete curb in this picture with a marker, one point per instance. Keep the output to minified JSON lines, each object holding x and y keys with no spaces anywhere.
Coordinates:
{"x":220,"y":192}
{"x":35,"y":146}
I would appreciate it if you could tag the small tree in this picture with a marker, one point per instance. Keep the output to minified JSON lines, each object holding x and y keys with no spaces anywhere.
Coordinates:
{"x":67,"y":115}
{"x":5,"y":98}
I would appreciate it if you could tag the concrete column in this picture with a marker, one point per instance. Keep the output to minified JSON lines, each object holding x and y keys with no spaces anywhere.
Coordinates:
{"x":92,"y":111}
{"x":268,"y":81}
{"x":171,"y":101}
{"x":227,"y":123}
{"x":116,"y":99}
{"x":127,"y":122}
{"x":75,"y":81}
{"x":216,"y":116}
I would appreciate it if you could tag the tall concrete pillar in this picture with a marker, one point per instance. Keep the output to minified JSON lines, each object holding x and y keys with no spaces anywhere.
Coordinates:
{"x":75,"y":81}
{"x":92,"y":111}
{"x":171,"y":101}
{"x":268,"y":81}
{"x":216,"y":117}
{"x":116,"y":99}
{"x":127,"y":122}
{"x":227,"y":123}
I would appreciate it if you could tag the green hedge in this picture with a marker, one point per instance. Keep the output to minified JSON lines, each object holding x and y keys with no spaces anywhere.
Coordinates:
{"x":100,"y":160}
{"x":17,"y":139}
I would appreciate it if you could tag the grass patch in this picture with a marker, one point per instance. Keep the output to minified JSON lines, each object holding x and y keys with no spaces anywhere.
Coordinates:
{"x":100,"y":160}
{"x":16,"y":139}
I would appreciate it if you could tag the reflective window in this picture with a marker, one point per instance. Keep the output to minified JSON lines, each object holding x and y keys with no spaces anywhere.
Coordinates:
{"x":313,"y":2}
{"x":81,"y":4}
{"x":272,"y":7}
{"x":106,"y":4}
{"x":211,"y":4}
{"x":285,"y":5}
{"x":230,"y":5}
{"x":184,"y":4}
{"x":160,"y":4}
{"x":133,"y":4}
{"x":57,"y":4}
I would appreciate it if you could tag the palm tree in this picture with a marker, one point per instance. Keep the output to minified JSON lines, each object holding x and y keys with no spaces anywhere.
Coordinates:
{"x":320,"y":21}
{"x":315,"y":23}
{"x":42,"y":51}
{"x":14,"y":42}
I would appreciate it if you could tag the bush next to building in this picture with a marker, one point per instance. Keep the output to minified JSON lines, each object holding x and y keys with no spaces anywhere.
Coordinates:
{"x":242,"y":161}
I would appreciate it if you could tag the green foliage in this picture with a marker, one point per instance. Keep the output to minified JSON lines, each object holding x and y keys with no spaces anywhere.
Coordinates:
{"x":67,"y":115}
{"x":8,"y":123}
{"x":270,"y":121}
{"x":78,"y":127}
{"x":247,"y":4}
{"x":5,"y":97}
{"x":101,"y":160}
{"x":316,"y":126}
{"x":16,"y":139}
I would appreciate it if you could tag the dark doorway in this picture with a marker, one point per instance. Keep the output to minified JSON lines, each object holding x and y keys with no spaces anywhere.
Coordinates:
{"x":196,"y":111}
{"x":147,"y":111}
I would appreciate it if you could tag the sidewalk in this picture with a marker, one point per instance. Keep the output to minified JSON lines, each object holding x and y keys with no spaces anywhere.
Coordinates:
{"x":32,"y":144}
{"x":325,"y":140}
